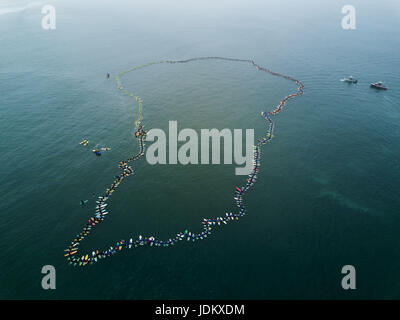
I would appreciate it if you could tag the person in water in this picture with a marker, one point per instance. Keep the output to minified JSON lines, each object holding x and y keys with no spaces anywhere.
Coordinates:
{"x":83,"y":202}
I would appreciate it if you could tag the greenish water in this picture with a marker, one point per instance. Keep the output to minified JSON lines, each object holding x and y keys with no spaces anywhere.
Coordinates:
{"x":327,"y":193}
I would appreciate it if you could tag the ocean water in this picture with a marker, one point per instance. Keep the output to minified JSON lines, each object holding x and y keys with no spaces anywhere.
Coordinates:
{"x":327,"y":193}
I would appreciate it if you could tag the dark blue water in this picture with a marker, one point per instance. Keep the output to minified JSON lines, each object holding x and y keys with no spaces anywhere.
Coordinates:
{"x":327,"y":194}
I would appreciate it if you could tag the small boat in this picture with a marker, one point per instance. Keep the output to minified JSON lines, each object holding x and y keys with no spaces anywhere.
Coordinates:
{"x":378,"y":85}
{"x":350,"y":79}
